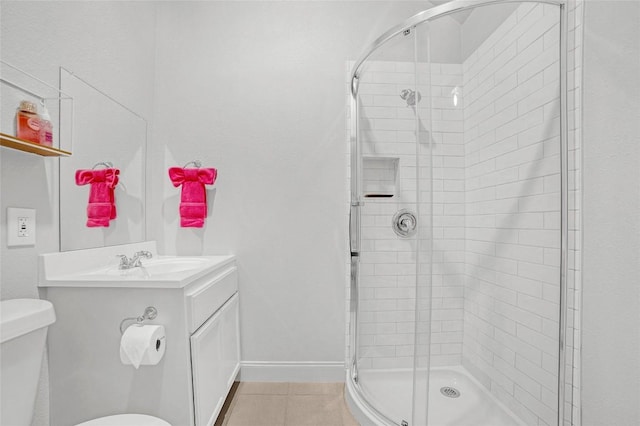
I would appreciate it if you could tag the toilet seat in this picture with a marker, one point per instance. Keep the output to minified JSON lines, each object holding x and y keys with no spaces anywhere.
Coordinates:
{"x":126,"y":420}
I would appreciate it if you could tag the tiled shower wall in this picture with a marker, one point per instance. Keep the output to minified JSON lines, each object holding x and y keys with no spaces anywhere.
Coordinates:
{"x":512,"y":153}
{"x":387,"y":268}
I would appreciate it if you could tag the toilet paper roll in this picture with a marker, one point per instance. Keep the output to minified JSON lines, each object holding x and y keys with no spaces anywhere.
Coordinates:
{"x":142,"y":345}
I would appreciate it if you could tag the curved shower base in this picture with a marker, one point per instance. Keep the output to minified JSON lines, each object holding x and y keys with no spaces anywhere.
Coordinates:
{"x":474,"y":405}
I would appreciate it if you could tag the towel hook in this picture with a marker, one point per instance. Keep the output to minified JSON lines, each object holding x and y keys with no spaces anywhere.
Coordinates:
{"x":196,"y":163}
{"x":107,"y":164}
{"x":150,"y":313}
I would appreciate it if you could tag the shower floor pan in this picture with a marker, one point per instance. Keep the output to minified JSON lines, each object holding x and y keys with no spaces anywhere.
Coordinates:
{"x":473,"y":405}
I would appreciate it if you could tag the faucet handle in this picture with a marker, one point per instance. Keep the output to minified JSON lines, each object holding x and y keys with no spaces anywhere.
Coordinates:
{"x":143,"y":253}
{"x":124,"y":261}
{"x":135,"y":260}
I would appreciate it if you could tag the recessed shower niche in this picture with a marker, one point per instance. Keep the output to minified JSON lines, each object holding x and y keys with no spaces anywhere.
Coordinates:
{"x":380,"y":176}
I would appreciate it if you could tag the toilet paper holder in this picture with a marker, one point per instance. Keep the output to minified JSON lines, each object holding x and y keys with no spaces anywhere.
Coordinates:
{"x":150,"y":313}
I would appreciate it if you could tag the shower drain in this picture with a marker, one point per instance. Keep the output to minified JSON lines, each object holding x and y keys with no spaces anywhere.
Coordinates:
{"x":450,"y":392}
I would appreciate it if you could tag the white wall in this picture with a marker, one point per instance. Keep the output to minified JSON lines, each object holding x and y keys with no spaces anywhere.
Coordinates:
{"x":611,"y":294}
{"x":94,"y":40}
{"x":256,"y":89}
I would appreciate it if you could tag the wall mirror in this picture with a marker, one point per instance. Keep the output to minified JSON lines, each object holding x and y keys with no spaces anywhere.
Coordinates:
{"x":104,"y":131}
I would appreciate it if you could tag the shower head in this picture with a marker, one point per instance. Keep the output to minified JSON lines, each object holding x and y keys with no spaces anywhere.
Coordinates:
{"x":412,"y":97}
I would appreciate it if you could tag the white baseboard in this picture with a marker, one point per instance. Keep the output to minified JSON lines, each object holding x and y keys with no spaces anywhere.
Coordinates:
{"x":304,"y":371}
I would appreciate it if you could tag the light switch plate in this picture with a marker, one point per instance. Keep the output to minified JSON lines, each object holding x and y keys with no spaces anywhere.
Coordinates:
{"x":21,"y":227}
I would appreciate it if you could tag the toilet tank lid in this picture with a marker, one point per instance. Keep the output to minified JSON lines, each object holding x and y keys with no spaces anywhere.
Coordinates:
{"x":22,"y":316}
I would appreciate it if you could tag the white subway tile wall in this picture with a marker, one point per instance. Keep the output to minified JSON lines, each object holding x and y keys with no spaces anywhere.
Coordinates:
{"x":388,"y":263}
{"x":512,"y":139}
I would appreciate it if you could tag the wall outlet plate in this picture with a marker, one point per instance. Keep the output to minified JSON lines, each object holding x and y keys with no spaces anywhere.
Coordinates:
{"x":21,"y":227}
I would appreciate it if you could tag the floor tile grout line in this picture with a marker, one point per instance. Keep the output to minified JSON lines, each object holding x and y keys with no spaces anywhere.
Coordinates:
{"x":286,"y":405}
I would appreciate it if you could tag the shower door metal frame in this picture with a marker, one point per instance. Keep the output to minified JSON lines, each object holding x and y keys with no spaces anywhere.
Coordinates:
{"x":356,"y":169}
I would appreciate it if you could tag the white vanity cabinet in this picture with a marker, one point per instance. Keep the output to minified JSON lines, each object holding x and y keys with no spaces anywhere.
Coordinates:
{"x":215,"y":344}
{"x":199,"y":310}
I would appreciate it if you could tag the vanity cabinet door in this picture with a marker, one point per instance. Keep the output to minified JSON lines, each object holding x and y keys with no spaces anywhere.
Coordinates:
{"x":215,"y":361}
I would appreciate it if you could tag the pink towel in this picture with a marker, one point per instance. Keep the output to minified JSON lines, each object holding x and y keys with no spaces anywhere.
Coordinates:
{"x":102,"y":204}
{"x":193,"y":199}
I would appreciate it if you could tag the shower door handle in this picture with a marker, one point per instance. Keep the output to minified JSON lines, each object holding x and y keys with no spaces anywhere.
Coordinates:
{"x":354,"y":223}
{"x":354,"y":263}
{"x":353,"y":316}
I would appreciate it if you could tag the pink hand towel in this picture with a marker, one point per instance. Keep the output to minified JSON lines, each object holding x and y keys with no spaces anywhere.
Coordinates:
{"x":193,"y":199}
{"x":102,"y":204}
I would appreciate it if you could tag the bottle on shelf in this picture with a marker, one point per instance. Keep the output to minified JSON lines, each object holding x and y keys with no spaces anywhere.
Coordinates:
{"x":28,"y":122}
{"x":46,"y":128}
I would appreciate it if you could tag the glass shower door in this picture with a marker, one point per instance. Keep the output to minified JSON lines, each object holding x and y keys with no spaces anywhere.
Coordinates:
{"x":427,"y":172}
{"x":390,"y":225}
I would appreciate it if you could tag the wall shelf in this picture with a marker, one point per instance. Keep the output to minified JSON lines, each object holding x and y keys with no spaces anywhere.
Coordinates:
{"x":31,"y":147}
{"x":16,"y":86}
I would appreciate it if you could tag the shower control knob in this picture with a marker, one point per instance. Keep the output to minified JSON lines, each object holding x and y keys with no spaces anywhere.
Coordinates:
{"x":404,"y":223}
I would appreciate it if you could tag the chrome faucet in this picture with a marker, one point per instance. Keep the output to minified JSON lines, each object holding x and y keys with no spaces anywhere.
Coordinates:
{"x":134,"y":262}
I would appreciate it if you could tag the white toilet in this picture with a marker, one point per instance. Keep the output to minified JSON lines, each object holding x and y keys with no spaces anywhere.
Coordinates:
{"x":23,"y":333}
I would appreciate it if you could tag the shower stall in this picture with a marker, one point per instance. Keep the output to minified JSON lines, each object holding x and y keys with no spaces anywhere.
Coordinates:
{"x":459,"y":219}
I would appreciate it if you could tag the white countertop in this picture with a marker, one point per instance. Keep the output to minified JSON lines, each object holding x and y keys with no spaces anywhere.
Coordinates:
{"x":99,"y":268}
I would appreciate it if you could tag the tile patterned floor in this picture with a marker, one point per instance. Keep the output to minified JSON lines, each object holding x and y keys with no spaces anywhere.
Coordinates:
{"x":287,"y":404}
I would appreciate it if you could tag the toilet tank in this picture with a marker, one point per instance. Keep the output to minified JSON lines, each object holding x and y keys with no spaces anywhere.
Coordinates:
{"x":23,"y":333}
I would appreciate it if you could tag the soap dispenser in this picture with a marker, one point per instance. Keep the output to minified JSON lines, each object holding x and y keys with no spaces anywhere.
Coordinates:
{"x":46,"y":128}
